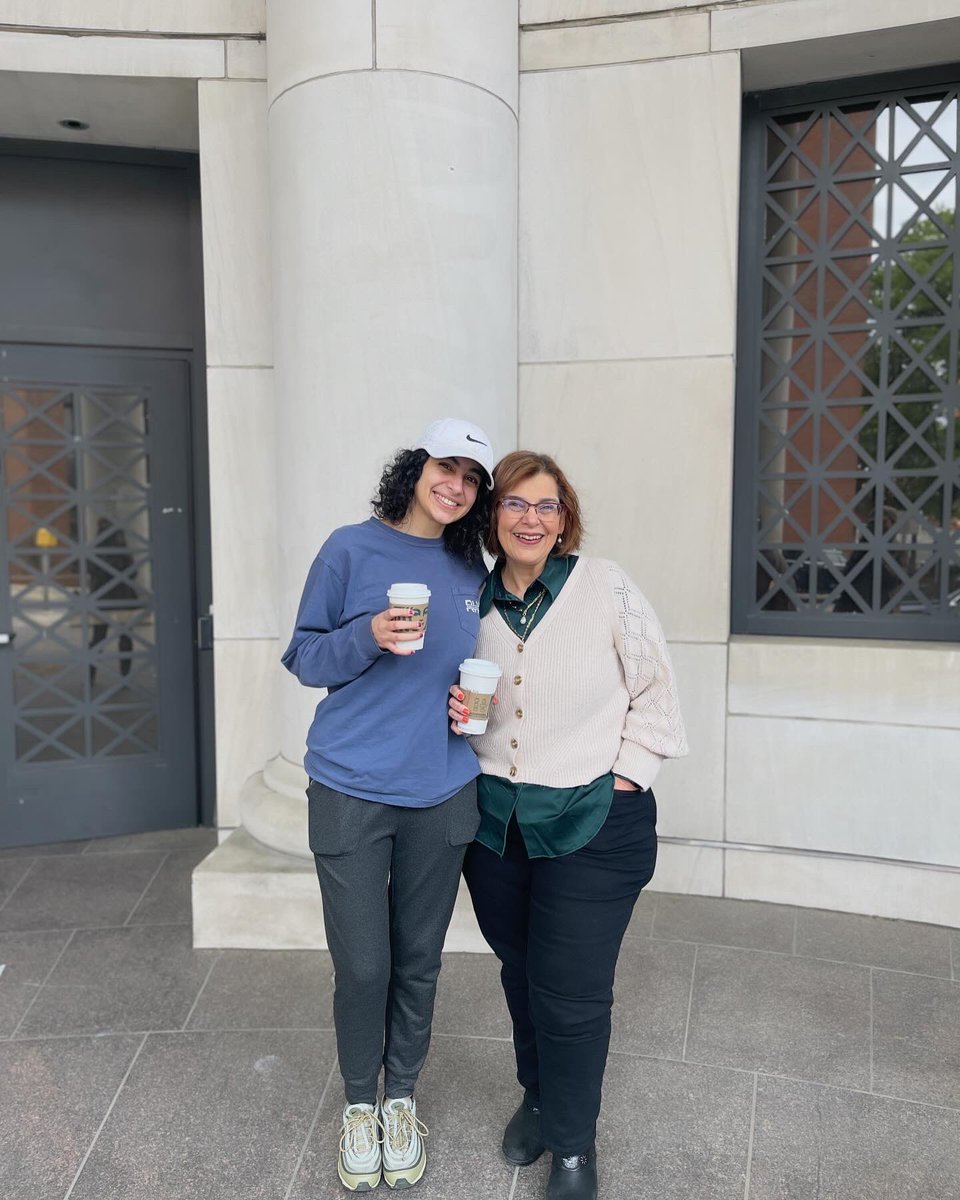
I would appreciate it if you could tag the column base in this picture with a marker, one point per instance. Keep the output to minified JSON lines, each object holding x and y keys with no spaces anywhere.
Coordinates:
{"x":273,"y":808}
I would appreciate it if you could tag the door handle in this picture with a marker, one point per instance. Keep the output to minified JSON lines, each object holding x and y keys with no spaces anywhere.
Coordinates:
{"x":6,"y":638}
{"x":205,"y":632}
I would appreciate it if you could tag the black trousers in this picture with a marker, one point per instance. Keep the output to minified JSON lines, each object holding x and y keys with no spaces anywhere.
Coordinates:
{"x":389,"y":878}
{"x":556,"y":925}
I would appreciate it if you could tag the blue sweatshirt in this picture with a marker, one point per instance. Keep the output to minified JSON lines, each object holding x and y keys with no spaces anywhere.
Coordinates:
{"x":382,"y":733}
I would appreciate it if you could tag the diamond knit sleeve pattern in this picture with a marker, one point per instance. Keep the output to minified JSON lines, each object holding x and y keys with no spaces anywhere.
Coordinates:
{"x":653,"y":727}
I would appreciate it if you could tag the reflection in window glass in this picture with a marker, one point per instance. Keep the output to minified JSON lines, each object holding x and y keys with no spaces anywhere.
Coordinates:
{"x":80,"y":571}
{"x":853,"y":396}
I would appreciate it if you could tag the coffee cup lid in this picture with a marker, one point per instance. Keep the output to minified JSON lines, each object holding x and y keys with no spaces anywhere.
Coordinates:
{"x":482,"y":667}
{"x":408,"y":591}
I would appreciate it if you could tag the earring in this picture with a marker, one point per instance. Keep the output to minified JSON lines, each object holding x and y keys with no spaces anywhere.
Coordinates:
{"x":559,"y":540}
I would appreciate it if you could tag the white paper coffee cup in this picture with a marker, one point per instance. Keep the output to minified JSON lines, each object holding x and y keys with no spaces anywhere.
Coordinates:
{"x":478,"y":682}
{"x":415,"y":596}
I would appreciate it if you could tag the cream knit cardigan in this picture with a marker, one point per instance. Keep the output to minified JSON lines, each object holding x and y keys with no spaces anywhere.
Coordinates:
{"x":592,"y":690}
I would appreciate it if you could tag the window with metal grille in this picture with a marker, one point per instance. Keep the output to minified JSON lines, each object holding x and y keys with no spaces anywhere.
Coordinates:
{"x":847,"y":482}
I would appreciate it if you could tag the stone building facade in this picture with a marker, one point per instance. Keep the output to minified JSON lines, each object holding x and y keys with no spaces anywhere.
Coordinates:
{"x":530,"y":217}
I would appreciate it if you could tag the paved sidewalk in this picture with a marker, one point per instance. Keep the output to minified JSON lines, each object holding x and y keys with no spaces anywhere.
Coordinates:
{"x":759,"y":1052}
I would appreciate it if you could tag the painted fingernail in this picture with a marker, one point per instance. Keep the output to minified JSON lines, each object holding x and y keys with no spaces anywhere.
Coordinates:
{"x":459,"y":695}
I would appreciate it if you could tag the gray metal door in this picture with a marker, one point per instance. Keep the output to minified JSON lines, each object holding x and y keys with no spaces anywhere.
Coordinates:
{"x":97,"y":708}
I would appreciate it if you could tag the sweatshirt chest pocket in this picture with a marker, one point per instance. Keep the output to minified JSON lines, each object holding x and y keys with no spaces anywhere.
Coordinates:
{"x":467,"y":604}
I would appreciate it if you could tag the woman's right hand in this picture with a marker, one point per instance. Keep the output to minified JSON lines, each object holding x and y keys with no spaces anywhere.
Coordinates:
{"x":457,"y":711}
{"x":395,"y":626}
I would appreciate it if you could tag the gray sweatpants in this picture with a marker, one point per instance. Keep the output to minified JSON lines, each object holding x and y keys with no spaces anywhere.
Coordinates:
{"x":389,"y":879}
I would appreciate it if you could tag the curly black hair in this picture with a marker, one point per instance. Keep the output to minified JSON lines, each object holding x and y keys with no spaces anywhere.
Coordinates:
{"x":464,"y":538}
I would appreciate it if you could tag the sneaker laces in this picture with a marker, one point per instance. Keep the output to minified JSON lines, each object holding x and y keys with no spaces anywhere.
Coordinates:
{"x":401,"y":1125}
{"x":360,"y":1132}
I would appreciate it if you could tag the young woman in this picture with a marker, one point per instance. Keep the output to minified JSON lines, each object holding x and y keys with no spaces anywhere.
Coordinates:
{"x":392,"y":795}
{"x":587,"y":712}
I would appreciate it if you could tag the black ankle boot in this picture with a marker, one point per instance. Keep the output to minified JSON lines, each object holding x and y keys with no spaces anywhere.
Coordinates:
{"x":573,"y":1178}
{"x":521,"y":1138}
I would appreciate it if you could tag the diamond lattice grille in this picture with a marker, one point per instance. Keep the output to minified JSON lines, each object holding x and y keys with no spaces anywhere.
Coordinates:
{"x":80,"y":574}
{"x":849,"y":380}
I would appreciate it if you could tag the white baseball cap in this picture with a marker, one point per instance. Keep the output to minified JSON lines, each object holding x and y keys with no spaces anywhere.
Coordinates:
{"x":452,"y":438}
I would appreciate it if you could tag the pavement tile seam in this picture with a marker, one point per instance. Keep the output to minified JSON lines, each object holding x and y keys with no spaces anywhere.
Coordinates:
{"x":693,"y":980}
{"x":99,"y":928}
{"x":707,"y":945}
{"x":43,"y":983}
{"x":951,"y":1108}
{"x":72,"y":1036}
{"x":473,"y":1037}
{"x":13,"y":891}
{"x":722,"y":1068}
{"x":725,"y":1069}
{"x":914,"y":975}
{"x":313,"y":1125}
{"x":753,"y":1126}
{"x":848,"y":962}
{"x":196,"y":1000}
{"x":852,"y":962}
{"x":719,"y":1068}
{"x":834,"y":1087}
{"x":667,"y":1058}
{"x":796,"y":923}
{"x":807,"y":911}
{"x":653,"y":917}
{"x":106,"y":1117}
{"x":259,"y":1029}
{"x":871,"y":1029}
{"x":99,"y":853}
{"x":150,"y":842}
{"x":150,"y":882}
{"x":8,"y":1037}
{"x":850,"y":1091}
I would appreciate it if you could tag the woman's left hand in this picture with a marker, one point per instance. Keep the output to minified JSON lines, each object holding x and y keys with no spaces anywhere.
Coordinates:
{"x":624,"y":785}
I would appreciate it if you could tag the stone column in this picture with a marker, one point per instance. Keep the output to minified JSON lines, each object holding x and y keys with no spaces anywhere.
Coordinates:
{"x":393,"y":221}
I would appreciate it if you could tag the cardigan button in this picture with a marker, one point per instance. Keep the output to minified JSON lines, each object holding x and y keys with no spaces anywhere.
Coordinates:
{"x":519,"y":714}
{"x":514,"y":743}
{"x":517,"y":679}
{"x":520,"y":646}
{"x":513,"y":771}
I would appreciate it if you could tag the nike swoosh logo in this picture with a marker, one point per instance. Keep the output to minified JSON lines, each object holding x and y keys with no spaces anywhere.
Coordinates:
{"x":477,"y":440}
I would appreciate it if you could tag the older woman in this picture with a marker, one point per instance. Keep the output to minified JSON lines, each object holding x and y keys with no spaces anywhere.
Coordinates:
{"x":587,"y":712}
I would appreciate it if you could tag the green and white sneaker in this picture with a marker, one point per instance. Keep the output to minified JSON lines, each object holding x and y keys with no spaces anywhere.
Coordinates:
{"x":404,"y":1154}
{"x":359,"y":1160}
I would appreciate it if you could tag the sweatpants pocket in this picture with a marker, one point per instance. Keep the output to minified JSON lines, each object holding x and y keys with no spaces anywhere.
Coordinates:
{"x":334,"y":821}
{"x":463,"y":816}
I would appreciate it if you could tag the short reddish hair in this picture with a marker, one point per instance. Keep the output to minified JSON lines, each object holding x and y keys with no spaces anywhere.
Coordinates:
{"x":514,"y":468}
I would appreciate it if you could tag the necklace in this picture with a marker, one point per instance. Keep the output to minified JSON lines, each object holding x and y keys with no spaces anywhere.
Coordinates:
{"x":535,"y":605}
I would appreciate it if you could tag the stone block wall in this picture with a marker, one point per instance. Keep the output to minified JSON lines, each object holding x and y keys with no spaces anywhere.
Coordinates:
{"x":823,"y":772}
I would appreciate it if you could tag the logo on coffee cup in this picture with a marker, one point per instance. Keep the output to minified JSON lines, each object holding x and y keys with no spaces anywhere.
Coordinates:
{"x":479,"y":704}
